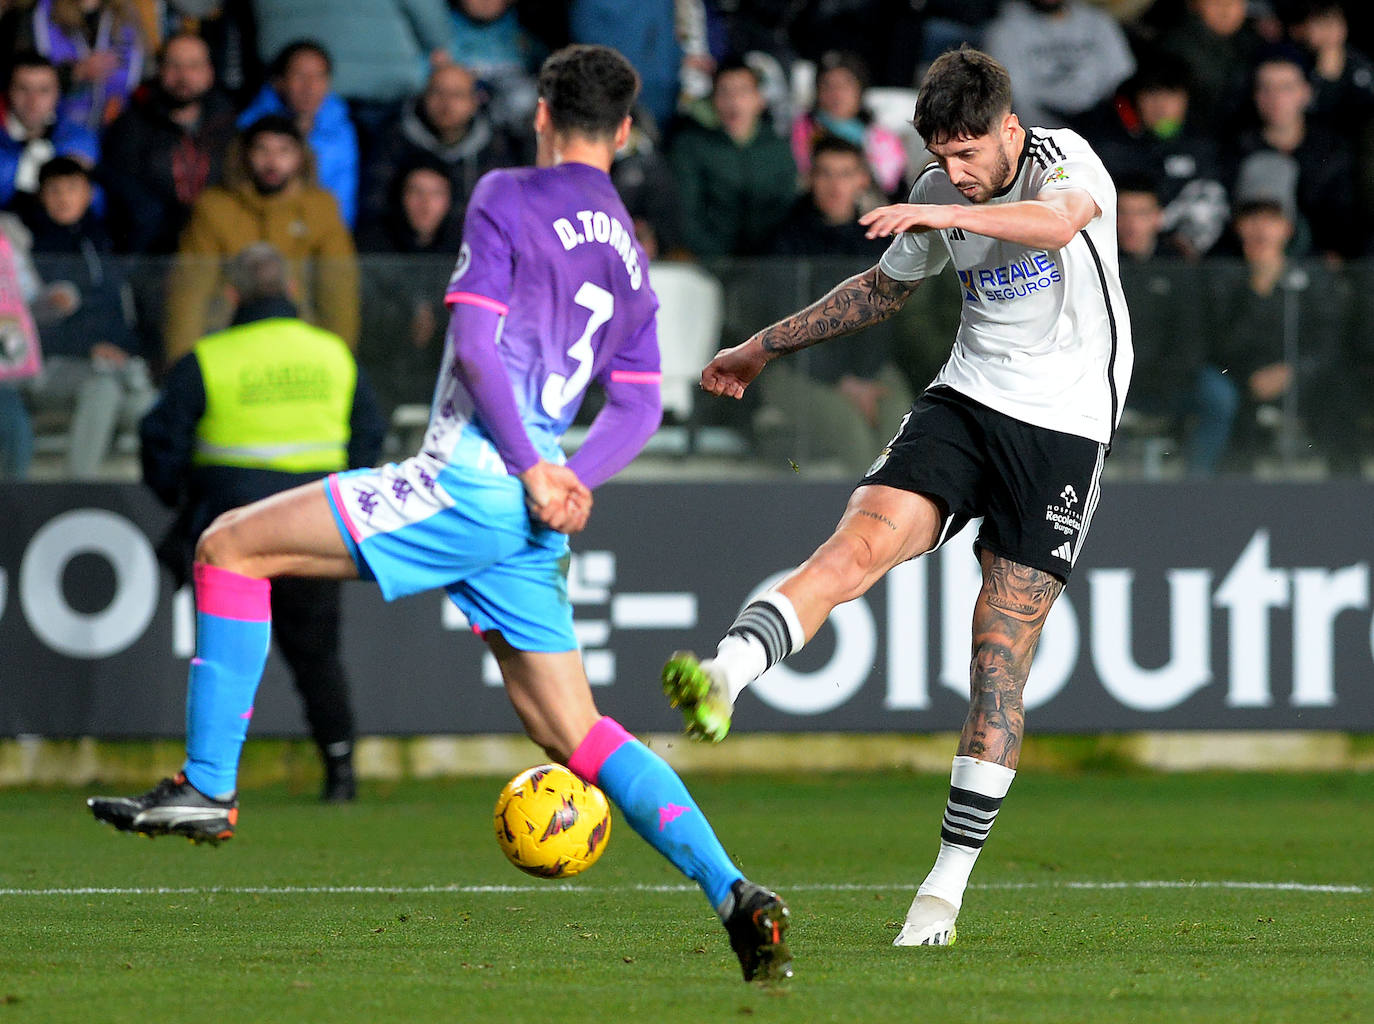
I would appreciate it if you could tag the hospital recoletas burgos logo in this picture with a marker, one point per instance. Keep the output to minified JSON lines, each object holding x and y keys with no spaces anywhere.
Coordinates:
{"x":1061,"y":514}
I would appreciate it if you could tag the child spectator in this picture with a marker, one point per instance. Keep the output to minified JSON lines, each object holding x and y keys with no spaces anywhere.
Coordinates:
{"x":419,"y":216}
{"x":1148,"y":132}
{"x":90,"y":353}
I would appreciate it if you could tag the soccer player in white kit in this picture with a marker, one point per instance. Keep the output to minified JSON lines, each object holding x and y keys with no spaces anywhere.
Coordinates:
{"x":1014,"y":428}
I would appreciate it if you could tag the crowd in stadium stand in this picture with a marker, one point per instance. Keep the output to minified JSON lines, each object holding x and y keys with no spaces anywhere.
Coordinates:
{"x":1237,"y":131}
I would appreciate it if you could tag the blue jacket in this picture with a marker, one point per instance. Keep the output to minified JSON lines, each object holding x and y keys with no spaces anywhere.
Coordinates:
{"x":333,"y":140}
{"x":68,"y":139}
{"x":380,"y":47}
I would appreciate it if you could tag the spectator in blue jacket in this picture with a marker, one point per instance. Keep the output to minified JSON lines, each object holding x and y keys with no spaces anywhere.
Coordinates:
{"x":300,"y":87}
{"x":486,"y":36}
{"x":381,"y":48}
{"x":33,"y":134}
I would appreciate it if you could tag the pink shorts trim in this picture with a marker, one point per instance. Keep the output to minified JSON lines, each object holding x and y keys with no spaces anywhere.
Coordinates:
{"x":636,"y":376}
{"x":332,"y":482}
{"x":227,"y":595}
{"x":605,"y":738}
{"x":471,"y":299}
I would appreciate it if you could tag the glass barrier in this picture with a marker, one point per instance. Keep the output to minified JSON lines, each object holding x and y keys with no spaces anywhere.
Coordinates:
{"x":1234,"y":375}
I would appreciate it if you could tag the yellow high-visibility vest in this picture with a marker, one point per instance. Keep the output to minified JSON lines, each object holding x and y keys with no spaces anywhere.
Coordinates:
{"x":278,"y":395}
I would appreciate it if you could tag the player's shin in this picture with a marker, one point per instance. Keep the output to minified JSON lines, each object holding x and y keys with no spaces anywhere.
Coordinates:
{"x":657,"y":805}
{"x":976,"y":790}
{"x":233,"y":628}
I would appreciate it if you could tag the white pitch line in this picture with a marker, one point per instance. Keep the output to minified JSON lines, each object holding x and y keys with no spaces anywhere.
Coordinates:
{"x":420,"y":890}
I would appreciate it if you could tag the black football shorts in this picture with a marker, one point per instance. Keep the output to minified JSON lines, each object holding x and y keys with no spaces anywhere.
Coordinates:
{"x":1036,"y":489}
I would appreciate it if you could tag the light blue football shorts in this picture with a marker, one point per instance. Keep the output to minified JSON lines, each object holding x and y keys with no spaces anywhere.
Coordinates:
{"x":423,"y":524}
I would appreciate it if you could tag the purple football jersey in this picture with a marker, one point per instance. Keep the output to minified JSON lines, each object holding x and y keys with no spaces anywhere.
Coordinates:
{"x":553,"y":251}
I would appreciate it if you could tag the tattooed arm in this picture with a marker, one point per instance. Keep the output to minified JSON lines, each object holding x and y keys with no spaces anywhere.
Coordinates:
{"x":864,"y":299}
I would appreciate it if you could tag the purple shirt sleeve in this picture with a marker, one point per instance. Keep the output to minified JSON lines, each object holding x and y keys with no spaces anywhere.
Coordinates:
{"x":479,"y":296}
{"x":472,"y":333}
{"x":633,"y":410}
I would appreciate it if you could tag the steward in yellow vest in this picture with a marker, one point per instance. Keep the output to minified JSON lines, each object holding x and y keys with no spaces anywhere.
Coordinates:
{"x":267,"y":404}
{"x":278,"y":395}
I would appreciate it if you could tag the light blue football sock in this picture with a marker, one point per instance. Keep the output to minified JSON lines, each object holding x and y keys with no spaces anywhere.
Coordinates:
{"x":657,"y":805}
{"x":233,"y":629}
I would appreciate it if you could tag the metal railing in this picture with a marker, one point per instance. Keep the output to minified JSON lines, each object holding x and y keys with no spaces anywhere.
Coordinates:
{"x":1204,"y":339}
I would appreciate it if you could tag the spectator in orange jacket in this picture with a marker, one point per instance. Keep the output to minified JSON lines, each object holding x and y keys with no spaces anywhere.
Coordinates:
{"x":276,"y":201}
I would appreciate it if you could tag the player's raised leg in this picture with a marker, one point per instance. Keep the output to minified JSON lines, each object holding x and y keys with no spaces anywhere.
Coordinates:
{"x":291,"y":533}
{"x":551,"y":695}
{"x":881,"y":527}
{"x":1007,"y":621}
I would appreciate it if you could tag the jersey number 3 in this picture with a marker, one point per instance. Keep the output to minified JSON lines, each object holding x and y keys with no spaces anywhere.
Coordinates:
{"x":558,"y":389}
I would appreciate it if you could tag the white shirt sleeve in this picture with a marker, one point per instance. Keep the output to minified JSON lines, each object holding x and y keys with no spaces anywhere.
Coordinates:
{"x":1079,"y":168}
{"x":915,"y":255}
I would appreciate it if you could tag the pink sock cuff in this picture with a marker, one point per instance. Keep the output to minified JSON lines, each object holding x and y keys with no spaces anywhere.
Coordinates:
{"x":228,"y":595}
{"x":605,"y":738}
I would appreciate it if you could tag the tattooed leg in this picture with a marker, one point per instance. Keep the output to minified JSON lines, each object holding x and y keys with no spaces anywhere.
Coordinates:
{"x":1007,"y":620}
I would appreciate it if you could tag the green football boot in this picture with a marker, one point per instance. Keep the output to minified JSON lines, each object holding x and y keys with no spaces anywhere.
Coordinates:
{"x":698,"y":691}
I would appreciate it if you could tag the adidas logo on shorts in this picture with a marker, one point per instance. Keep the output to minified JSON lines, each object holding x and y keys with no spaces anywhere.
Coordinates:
{"x":1064,"y":551}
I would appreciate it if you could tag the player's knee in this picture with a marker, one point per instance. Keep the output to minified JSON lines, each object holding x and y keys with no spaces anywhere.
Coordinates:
{"x":217,"y":545}
{"x":845,"y":563}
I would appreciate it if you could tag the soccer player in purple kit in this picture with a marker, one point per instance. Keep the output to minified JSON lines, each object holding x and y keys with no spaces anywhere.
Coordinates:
{"x":550,"y":293}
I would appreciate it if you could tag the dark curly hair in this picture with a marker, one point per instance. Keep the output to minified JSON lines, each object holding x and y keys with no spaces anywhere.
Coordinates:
{"x":589,"y":90}
{"x":964,"y":95}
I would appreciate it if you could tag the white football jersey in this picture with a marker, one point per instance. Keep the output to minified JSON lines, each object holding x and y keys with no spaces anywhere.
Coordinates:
{"x":1044,"y":335}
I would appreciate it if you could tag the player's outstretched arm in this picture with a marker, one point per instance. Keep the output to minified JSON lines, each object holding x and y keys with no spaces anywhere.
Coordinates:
{"x":853,"y":304}
{"x":1049,"y":221}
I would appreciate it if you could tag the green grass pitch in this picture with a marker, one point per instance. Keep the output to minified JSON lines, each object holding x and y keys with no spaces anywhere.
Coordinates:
{"x":1114,"y":897}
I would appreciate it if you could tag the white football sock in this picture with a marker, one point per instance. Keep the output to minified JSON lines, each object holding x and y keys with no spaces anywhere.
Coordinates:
{"x":765,"y":632}
{"x":976,"y":790}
